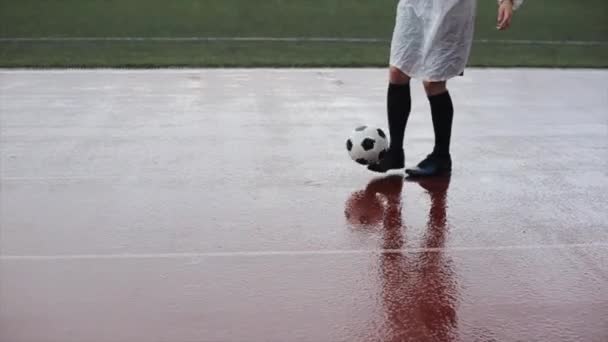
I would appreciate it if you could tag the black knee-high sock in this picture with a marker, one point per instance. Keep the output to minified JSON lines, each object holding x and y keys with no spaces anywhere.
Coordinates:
{"x":399,"y":105}
{"x":442,"y":111}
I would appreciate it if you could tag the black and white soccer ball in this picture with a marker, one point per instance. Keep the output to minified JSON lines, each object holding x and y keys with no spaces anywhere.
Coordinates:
{"x":367,"y":145}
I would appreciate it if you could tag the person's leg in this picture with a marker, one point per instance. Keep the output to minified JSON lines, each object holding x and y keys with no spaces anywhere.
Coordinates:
{"x":399,"y":104}
{"x":442,"y":114}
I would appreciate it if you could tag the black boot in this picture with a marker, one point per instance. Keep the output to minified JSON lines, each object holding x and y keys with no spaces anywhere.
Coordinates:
{"x":399,"y":105}
{"x":432,"y":165}
{"x":439,"y":162}
{"x":393,"y":160}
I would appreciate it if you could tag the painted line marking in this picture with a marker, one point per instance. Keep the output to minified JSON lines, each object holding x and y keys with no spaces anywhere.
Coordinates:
{"x":249,"y":71}
{"x":285,"y":39}
{"x":294,"y":253}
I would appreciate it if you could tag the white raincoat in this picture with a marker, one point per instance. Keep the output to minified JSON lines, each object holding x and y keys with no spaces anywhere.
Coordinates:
{"x":432,"y":38}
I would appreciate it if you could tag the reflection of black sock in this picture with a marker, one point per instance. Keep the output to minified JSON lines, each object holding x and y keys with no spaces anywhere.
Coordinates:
{"x":442,"y":112}
{"x":399,"y":104}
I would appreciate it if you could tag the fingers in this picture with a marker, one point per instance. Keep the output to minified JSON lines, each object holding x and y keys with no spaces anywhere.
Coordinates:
{"x":504,"y":18}
{"x":507,"y":23}
{"x":501,"y":15}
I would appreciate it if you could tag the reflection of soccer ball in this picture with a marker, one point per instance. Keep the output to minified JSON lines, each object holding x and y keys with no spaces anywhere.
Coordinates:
{"x":364,"y":209}
{"x":367,"y":145}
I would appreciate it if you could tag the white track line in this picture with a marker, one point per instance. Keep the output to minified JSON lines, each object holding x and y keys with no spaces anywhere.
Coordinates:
{"x":542,"y":42}
{"x":249,"y":71}
{"x":284,"y":39}
{"x":295,"y":253}
{"x":195,"y":39}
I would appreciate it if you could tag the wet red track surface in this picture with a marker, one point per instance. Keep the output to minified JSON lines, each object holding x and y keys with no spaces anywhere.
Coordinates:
{"x":220,"y":205}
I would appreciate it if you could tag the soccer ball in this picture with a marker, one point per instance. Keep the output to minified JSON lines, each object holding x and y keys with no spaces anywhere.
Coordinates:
{"x":367,"y":145}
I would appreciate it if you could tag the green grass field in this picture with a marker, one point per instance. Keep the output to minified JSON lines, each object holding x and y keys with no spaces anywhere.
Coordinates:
{"x":537,"y":20}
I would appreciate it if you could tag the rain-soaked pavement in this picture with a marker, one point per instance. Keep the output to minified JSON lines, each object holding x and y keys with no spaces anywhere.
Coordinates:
{"x":221,"y":205}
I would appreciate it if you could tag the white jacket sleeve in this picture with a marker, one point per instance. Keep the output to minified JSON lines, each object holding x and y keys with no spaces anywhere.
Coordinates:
{"x":516,"y":3}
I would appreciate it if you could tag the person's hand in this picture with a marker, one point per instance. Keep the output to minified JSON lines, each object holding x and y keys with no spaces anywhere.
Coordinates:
{"x":505,"y":13}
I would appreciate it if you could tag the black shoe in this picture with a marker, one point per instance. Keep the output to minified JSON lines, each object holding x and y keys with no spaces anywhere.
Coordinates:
{"x":432,"y":165}
{"x":393,"y":160}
